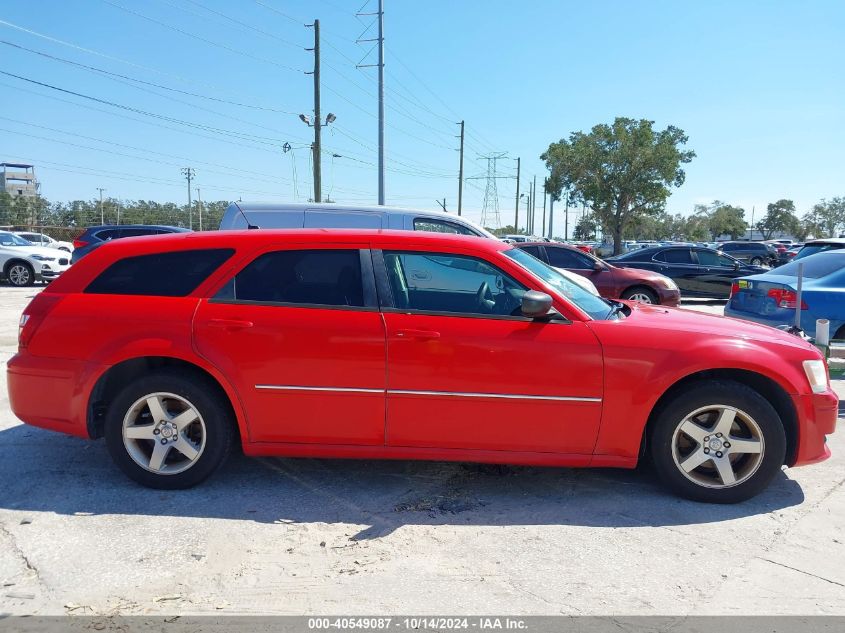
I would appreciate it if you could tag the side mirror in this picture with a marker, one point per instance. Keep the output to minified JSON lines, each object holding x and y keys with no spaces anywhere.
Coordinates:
{"x":737,"y":265}
{"x":599,"y":267}
{"x":536,"y":304}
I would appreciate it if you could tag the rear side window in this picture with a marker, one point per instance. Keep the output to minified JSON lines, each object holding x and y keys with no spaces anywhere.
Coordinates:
{"x":675,"y":256}
{"x":311,"y":277}
{"x":815,"y":267}
{"x":730,"y":247}
{"x":159,"y":275}
{"x":566,"y":258}
{"x":533,"y":250}
{"x":440,"y":226}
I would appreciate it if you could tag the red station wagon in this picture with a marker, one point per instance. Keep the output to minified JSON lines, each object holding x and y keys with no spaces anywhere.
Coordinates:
{"x":369,"y":344}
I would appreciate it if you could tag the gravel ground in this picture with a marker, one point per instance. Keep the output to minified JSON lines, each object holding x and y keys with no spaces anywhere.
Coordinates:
{"x":344,"y":537}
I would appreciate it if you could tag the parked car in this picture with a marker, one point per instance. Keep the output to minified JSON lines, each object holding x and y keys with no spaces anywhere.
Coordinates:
{"x":242,"y":215}
{"x":698,"y":271}
{"x":782,"y":251}
{"x":23,"y":263}
{"x":819,"y":246}
{"x":323,"y":344}
{"x":755,"y":253}
{"x":96,"y":236}
{"x":771,"y":298}
{"x":42,"y":239}
{"x":612,"y":282}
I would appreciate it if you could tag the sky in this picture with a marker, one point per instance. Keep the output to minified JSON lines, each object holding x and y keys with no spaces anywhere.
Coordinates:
{"x":218,"y":86}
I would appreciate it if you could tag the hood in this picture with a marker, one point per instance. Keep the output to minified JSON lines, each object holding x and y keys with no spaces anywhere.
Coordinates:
{"x":683,"y":320}
{"x":634,"y":273}
{"x":44,"y":251}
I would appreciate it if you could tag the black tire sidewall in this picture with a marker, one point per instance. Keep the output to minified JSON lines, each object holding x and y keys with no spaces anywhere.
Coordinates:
{"x":208,"y":402}
{"x":701,"y":395}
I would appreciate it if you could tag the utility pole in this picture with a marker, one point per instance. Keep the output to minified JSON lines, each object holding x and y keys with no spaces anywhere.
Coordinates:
{"x":516,"y":211}
{"x":189,"y":173}
{"x":102,"y":217}
{"x":380,"y":65}
{"x":551,"y":216}
{"x":527,"y":212}
{"x":545,"y":182}
{"x":199,"y":207}
{"x":753,"y":209}
{"x":533,"y":204}
{"x":461,"y":173}
{"x":566,"y":220}
{"x":316,"y":148}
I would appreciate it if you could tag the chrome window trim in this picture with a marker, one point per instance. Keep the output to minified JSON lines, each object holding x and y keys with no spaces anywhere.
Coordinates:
{"x":299,"y":388}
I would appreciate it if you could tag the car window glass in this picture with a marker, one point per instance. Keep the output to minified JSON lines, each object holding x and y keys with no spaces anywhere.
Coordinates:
{"x":729,"y":247}
{"x":174,"y":274}
{"x":313,"y":277}
{"x":566,"y":258}
{"x":675,"y":256}
{"x":451,"y":283}
{"x":820,"y":265}
{"x":138,"y":232}
{"x":532,"y":250}
{"x":439,"y":226}
{"x":106,"y":234}
{"x":712,"y":258}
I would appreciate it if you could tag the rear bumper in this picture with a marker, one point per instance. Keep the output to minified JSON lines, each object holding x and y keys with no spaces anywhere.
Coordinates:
{"x":51,"y":393}
{"x":817,"y":415}
{"x":782,"y":316}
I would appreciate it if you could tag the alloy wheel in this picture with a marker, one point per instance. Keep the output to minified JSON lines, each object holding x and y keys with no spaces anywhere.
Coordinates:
{"x":641,"y":297}
{"x":19,"y":275}
{"x":718,"y":446}
{"x":164,"y":433}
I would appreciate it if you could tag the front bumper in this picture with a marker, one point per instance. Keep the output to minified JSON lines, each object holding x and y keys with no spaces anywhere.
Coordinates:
{"x":51,"y":270}
{"x":669,"y":297}
{"x":817,"y":414}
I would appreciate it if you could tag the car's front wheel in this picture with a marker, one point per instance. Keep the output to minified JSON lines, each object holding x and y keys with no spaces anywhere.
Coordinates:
{"x":641,"y":294}
{"x":717,"y":441}
{"x":756,"y":261}
{"x":168,"y":431}
{"x":20,"y":274}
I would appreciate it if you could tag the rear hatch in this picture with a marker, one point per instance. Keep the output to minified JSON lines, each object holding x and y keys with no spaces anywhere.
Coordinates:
{"x":775,"y":294}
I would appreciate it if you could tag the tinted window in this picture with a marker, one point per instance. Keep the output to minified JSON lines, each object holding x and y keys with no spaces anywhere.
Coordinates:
{"x":138,"y":232}
{"x":675,"y":256}
{"x":711,"y":258}
{"x":566,"y":258}
{"x":106,"y":234}
{"x":730,"y":247}
{"x":160,"y":274}
{"x":440,"y":226}
{"x":451,"y":283}
{"x":319,"y":277}
{"x":532,"y":250}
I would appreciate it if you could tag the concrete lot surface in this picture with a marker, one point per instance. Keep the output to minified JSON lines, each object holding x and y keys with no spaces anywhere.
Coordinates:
{"x":345,"y":537}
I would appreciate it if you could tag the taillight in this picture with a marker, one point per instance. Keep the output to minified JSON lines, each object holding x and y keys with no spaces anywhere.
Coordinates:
{"x":77,"y":243}
{"x":734,"y":288}
{"x":34,"y":315}
{"x":785,"y":298}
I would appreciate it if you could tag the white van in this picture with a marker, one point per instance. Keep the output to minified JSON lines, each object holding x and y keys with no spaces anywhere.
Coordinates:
{"x":242,"y":215}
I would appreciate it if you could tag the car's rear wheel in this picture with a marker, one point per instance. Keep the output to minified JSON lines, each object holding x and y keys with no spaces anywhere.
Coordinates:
{"x":756,"y":261}
{"x":717,"y":441}
{"x":20,"y":274}
{"x":168,"y":431}
{"x":641,"y":294}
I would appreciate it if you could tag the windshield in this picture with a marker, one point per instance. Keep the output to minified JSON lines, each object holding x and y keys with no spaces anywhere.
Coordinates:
{"x":812,"y":249}
{"x":595,"y":306}
{"x":637,"y":253}
{"x":9,"y":239}
{"x":821,"y":265}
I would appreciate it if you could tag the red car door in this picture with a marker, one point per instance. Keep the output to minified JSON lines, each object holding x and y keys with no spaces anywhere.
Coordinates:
{"x":298,"y":333}
{"x":466,"y":370}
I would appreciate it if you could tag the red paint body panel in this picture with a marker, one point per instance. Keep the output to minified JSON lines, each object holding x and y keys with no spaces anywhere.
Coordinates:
{"x":616,"y":370}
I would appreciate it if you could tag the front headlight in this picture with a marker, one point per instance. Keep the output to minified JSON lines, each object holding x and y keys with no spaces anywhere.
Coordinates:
{"x":41,"y":258}
{"x":817,"y":375}
{"x":668,"y":283}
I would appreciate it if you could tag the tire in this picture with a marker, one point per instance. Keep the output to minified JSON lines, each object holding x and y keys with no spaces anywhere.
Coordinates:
{"x":698,"y":409}
{"x":20,"y":274}
{"x":192,"y":452}
{"x":756,"y":261}
{"x":840,"y":334}
{"x":641,"y":294}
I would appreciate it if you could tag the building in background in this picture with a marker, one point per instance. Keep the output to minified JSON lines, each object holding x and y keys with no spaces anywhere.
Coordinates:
{"x":18,"y":179}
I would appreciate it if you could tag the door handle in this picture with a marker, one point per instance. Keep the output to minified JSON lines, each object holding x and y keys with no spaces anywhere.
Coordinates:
{"x":418,"y":334}
{"x":230,"y":324}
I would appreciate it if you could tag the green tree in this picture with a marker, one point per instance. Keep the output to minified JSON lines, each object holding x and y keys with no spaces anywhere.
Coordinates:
{"x":780,"y":218}
{"x":621,"y":171}
{"x":723,"y":219}
{"x":825,"y":218}
{"x":586,"y":227}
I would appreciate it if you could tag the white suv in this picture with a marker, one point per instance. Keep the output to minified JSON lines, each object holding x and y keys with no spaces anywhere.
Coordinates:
{"x":23,"y":264}
{"x":40,"y":239}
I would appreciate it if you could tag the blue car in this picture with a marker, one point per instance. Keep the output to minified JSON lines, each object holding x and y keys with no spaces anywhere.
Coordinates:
{"x":770,"y":298}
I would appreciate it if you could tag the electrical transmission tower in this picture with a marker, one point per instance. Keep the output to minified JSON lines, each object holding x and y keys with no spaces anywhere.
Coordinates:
{"x":490,"y":209}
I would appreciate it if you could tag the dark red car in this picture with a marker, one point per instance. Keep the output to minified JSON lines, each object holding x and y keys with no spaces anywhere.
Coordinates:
{"x":611,"y":281}
{"x":400,"y":345}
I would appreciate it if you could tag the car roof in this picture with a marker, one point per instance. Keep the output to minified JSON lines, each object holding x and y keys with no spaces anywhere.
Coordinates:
{"x":261,"y":237}
{"x":175,"y":229}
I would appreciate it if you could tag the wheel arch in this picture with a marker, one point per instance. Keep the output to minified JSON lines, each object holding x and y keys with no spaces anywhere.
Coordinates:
{"x":762,"y":384}
{"x":116,"y":376}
